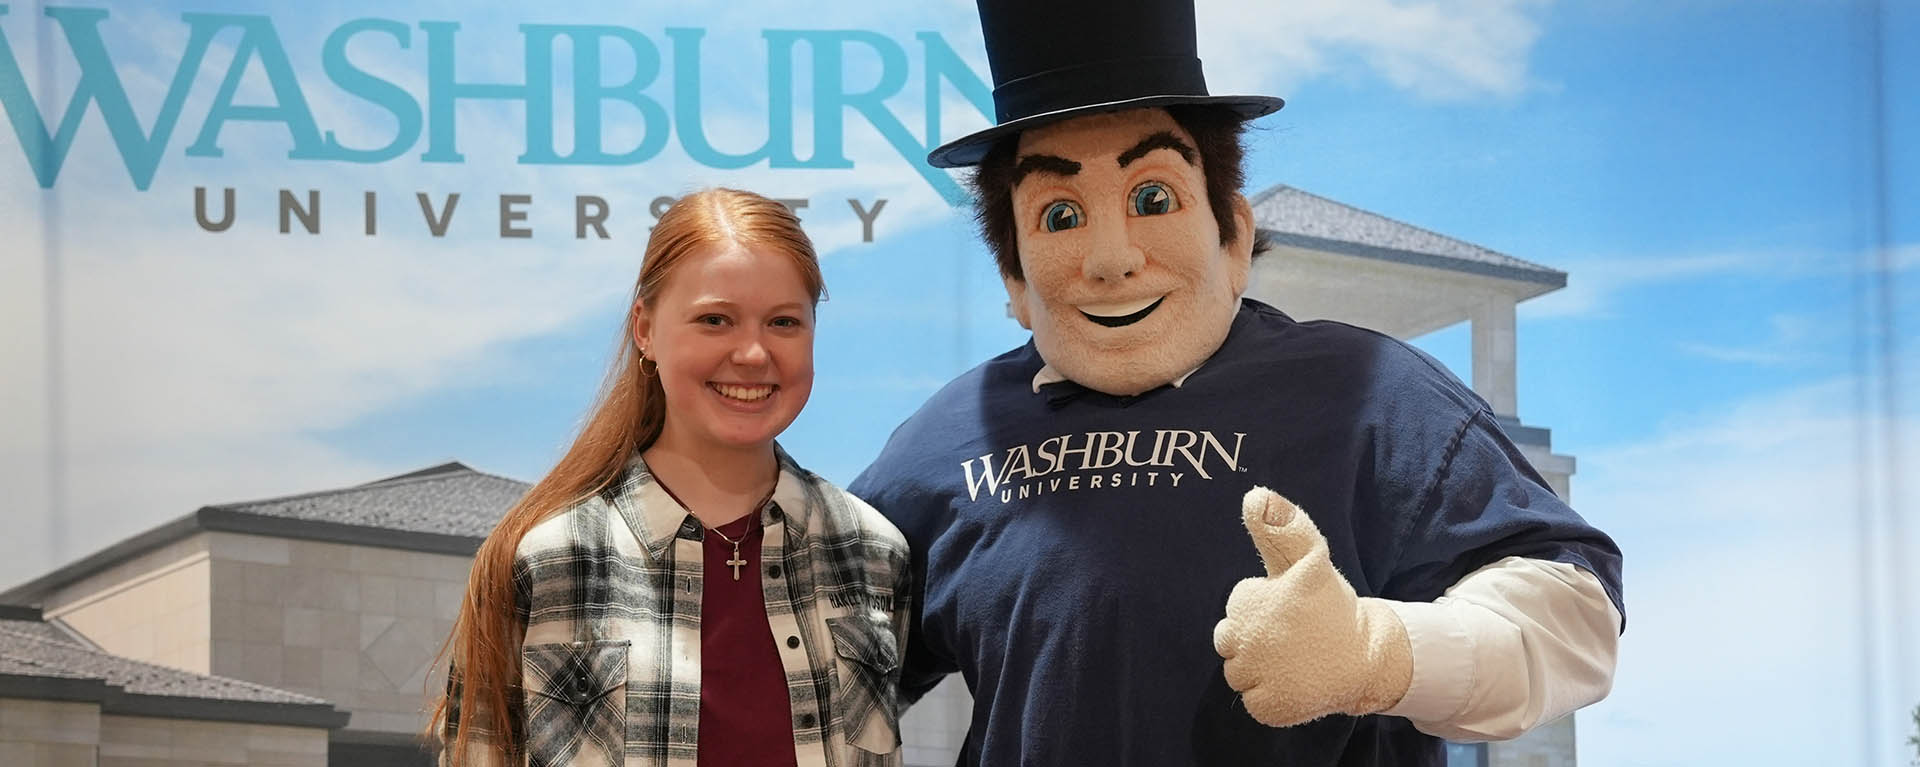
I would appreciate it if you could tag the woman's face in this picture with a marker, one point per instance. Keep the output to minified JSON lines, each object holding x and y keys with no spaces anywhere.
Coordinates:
{"x":732,"y":334}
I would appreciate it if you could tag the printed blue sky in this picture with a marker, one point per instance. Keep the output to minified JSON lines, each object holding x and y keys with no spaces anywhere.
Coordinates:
{"x":1703,"y":171}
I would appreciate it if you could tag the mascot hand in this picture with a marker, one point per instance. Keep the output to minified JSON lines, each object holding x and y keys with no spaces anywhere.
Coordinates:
{"x":1299,"y":644}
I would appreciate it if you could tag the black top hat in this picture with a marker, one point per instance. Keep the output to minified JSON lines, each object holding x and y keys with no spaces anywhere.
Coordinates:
{"x":1055,"y":59}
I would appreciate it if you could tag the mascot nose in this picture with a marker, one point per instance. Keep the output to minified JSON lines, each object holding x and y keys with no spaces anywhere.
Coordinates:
{"x":1114,"y":256}
{"x":1113,"y":262}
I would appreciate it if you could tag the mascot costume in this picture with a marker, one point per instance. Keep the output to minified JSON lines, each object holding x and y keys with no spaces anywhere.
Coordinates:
{"x":1104,"y":523}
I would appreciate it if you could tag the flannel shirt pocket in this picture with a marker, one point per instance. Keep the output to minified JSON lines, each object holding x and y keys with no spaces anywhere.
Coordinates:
{"x":869,"y":674}
{"x":576,"y":703}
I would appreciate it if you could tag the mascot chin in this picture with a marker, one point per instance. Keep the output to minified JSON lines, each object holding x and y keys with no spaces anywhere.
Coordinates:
{"x":1178,"y":526}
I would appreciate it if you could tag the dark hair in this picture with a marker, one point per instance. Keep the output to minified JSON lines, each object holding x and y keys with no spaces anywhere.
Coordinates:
{"x":1216,"y":135}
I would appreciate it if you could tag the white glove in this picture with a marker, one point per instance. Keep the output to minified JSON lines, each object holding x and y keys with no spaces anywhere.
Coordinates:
{"x":1299,"y":644}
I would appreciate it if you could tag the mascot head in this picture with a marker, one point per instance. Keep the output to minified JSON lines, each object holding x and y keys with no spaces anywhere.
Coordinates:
{"x":1109,"y":190}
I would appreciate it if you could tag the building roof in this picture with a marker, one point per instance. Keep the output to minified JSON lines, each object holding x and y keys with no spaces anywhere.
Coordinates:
{"x":39,"y":660}
{"x":449,"y":499}
{"x":444,"y":509}
{"x":1288,"y":216}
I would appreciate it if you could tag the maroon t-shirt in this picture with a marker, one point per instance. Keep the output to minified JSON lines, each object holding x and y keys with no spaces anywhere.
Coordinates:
{"x":744,"y":716}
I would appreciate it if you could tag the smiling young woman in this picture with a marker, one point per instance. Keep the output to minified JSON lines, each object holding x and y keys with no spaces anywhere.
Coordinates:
{"x":678,"y":590}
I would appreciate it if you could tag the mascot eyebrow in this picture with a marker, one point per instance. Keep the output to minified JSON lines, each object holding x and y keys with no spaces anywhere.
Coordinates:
{"x":1061,"y":166}
{"x":1043,"y":163}
{"x":1160,"y":140}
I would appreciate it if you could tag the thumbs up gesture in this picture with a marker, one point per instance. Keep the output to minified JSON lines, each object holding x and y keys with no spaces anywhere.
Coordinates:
{"x":1299,"y":644}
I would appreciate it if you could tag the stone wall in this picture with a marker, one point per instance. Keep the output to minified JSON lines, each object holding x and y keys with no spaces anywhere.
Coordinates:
{"x":40,"y":733}
{"x":355,"y":625}
{"x":137,"y":741}
{"x":36,"y":733}
{"x":153,"y":607}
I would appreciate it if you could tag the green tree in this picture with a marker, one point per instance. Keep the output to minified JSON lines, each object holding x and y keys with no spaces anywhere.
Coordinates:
{"x":1914,"y":739}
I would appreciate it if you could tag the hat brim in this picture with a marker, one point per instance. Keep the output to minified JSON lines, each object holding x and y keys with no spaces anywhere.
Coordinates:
{"x":968,"y":150}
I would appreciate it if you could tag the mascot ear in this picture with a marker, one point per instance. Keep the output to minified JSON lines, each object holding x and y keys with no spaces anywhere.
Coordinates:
{"x":1240,"y":252}
{"x":1017,"y":300}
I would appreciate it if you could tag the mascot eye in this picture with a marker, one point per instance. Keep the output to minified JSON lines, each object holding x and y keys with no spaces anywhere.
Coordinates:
{"x":1062,"y":215}
{"x":1152,"y":199}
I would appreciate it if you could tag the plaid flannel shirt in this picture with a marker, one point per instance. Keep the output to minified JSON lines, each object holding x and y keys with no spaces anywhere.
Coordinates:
{"x":610,"y":592}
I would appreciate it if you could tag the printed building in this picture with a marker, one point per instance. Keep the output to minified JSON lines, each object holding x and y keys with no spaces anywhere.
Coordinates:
{"x":65,"y":702}
{"x":302,"y":630}
{"x":339,"y":597}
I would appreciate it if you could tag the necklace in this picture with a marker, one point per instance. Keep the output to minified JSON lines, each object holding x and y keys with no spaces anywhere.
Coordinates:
{"x":736,"y":562}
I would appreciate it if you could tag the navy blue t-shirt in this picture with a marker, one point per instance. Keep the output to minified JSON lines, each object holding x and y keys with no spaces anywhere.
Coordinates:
{"x":1073,"y":550}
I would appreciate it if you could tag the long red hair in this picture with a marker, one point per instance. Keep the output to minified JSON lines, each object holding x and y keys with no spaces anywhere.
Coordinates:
{"x":625,"y":419}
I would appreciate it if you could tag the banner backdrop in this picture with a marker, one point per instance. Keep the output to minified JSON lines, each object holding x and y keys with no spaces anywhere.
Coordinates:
{"x":256,"y":249}
{"x":259,"y":249}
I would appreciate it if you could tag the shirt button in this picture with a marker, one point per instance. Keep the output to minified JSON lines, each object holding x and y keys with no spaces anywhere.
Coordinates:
{"x":806,"y":720}
{"x":774,"y":513}
{"x":773,"y":572}
{"x":793,"y":643}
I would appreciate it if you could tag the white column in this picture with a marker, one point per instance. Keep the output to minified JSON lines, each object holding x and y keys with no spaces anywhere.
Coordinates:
{"x":1494,"y":356}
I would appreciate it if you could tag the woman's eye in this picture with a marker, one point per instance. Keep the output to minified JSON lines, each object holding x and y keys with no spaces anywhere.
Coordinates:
{"x":712,"y":320}
{"x":786,"y":322}
{"x":1152,"y":199}
{"x":1061,"y":216}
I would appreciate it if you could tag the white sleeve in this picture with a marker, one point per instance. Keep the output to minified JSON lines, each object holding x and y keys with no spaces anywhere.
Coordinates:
{"x":1513,"y":645}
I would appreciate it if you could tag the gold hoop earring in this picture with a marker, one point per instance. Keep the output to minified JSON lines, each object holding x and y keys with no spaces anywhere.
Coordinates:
{"x":644,"y":373}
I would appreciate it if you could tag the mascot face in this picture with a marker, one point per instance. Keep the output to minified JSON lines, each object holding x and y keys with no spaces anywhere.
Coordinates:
{"x":1127,"y":286}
